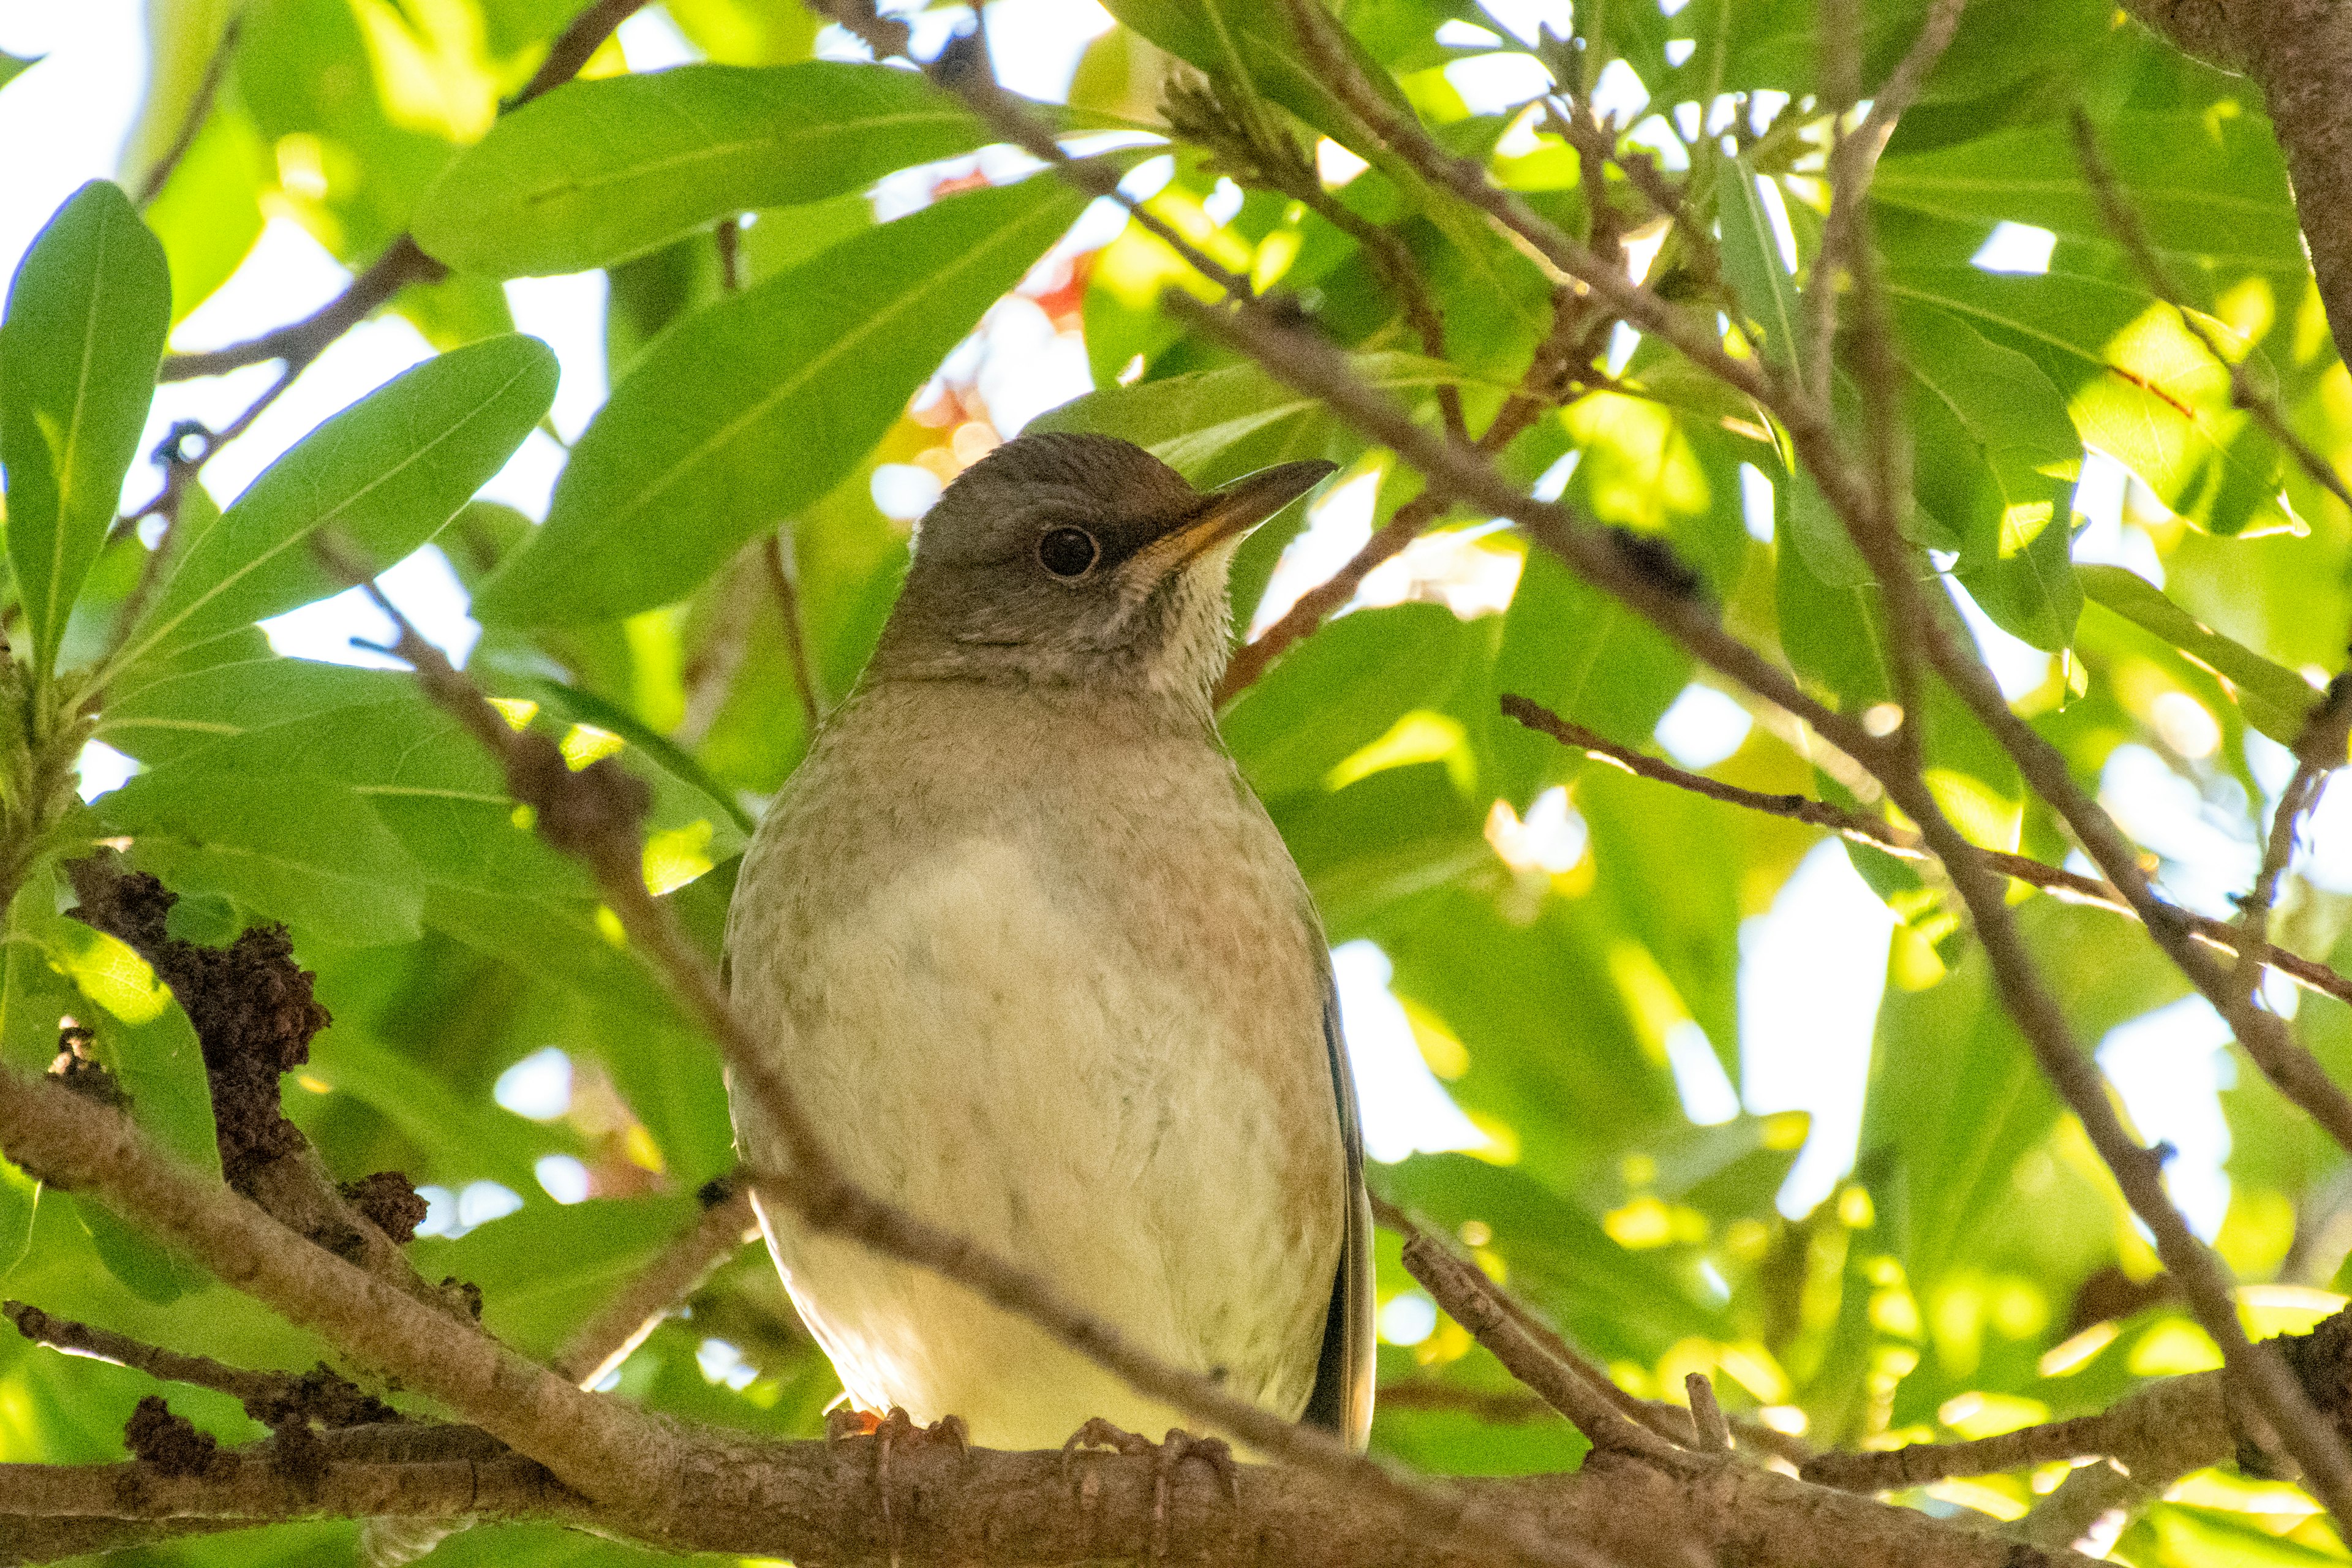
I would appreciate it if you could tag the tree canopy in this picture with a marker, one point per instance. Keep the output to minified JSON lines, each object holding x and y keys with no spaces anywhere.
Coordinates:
{"x":1781,"y":439}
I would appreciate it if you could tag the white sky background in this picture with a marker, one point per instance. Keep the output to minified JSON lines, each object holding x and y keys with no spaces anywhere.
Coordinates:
{"x":1812,"y":970}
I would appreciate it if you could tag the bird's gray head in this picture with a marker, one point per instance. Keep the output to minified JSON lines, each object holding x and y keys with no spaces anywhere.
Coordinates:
{"x":1079,"y":560}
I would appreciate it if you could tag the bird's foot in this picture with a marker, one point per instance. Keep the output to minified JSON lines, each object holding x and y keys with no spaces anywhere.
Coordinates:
{"x":892,"y":1434}
{"x":1166,"y":1456}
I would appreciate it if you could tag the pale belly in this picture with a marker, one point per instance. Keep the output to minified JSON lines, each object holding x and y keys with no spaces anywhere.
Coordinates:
{"x":1000,"y":1064}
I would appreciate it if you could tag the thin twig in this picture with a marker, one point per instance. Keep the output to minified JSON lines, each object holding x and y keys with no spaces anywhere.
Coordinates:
{"x":1305,"y":362}
{"x":606,"y":1340}
{"x":1853,"y":157}
{"x":797,"y":653}
{"x":1921,"y":637}
{"x":168,"y":1366}
{"x":579,"y":42}
{"x":2300,"y":1429}
{"x":2115,"y":210}
{"x":200,"y":109}
{"x":298,"y":344}
{"x":182,"y":471}
{"x":1713,"y":1432}
{"x":1539,"y":389}
{"x":1863,"y":828}
{"x":1565,"y":1381}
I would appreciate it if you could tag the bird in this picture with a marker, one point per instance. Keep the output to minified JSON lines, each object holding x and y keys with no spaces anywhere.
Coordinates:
{"x":1029,"y":954}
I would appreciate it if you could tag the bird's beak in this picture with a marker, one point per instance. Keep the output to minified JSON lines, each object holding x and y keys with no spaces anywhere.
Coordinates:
{"x":1228,"y":513}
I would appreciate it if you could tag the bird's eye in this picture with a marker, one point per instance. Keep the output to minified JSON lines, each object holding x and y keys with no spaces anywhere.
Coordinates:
{"x":1069,"y":551}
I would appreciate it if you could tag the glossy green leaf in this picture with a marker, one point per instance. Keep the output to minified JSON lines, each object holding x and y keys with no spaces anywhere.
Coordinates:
{"x":306,"y":850}
{"x":379,"y":478}
{"x":750,"y":409}
{"x":14,"y":65}
{"x":1752,"y":264}
{"x":2275,"y":699}
{"x":153,"y":1271}
{"x":598,"y":171}
{"x":20,"y":1200}
{"x":143,"y":1038}
{"x":2140,"y":386}
{"x":1996,"y":463}
{"x":1203,"y":423}
{"x":2203,"y":185}
{"x":82,"y":337}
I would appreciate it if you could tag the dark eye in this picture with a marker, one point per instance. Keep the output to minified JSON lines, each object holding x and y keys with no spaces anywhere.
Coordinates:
{"x":1069,"y":551}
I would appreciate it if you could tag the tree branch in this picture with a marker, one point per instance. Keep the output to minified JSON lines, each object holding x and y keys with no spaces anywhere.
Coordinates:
{"x":1311,"y":366}
{"x":2115,"y":211}
{"x":200,"y":109}
{"x":797,"y":652}
{"x":2179,"y":1423}
{"x":1880,"y":833}
{"x":723,"y":1228}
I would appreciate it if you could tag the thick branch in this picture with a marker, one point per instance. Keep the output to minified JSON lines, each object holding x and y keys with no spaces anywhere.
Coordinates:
{"x":820,"y":1501}
{"x":2301,"y":53}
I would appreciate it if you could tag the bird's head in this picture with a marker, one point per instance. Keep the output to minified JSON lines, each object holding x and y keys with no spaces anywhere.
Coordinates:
{"x":1075,"y":559}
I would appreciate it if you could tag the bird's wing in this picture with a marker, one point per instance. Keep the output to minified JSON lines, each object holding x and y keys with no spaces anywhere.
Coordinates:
{"x":1342,"y":1400}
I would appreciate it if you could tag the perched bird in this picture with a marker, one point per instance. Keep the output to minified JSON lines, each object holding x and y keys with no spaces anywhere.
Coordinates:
{"x":1032,"y":957}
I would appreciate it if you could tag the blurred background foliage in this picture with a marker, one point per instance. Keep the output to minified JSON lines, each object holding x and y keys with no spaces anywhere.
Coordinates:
{"x":1711,"y":1097}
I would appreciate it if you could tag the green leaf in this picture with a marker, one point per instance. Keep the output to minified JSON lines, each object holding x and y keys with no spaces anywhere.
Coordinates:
{"x":2138,"y":385}
{"x":1833,"y":633}
{"x":302,"y":849}
{"x":20,"y":1203}
{"x":2203,"y":185}
{"x":544,"y":1269}
{"x":384,"y":475}
{"x":143,"y":1039}
{"x":154,"y":1272}
{"x":1997,"y":458}
{"x":14,"y":65}
{"x":1752,"y":264}
{"x":750,"y":409}
{"x":599,"y":172}
{"x":83,"y":335}
{"x":1196,"y":423}
{"x":2274,"y":699}
{"x":1343,"y":689}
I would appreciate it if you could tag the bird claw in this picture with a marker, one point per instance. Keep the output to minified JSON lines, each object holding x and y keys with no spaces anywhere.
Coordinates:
{"x":1166,"y":1456}
{"x":892,"y":1432}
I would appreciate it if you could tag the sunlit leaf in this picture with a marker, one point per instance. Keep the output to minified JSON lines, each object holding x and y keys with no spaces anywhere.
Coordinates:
{"x":83,"y":334}
{"x":1996,"y":464}
{"x":1753,"y":266}
{"x":599,"y":172}
{"x":752,"y":408}
{"x":2275,"y":699}
{"x":376,"y":480}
